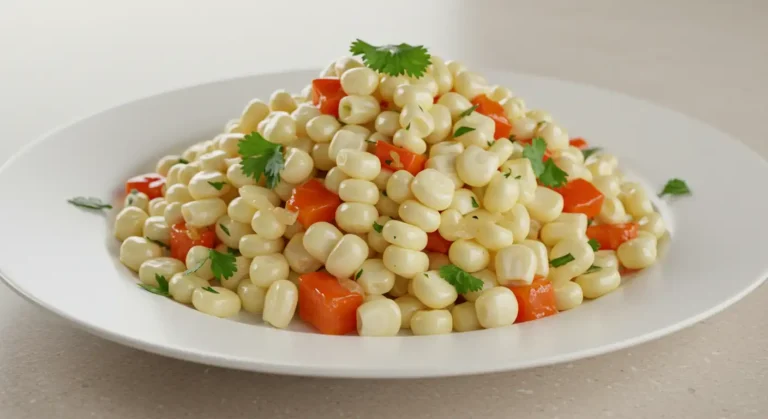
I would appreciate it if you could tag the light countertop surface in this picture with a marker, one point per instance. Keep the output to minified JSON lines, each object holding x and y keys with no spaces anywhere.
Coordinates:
{"x":61,"y":60}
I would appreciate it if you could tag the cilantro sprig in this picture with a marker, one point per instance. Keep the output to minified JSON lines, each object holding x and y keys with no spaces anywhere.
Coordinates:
{"x":377,"y":227}
{"x":160,"y":289}
{"x":589,"y":151}
{"x":593,"y":268}
{"x":468,"y":111}
{"x":594,"y":244}
{"x":675,"y":187}
{"x":223,"y":265}
{"x":217,"y":185}
{"x":461,"y":131}
{"x":261,"y":158}
{"x":463,"y":281}
{"x":547,"y":172}
{"x":394,"y":60}
{"x":89,"y":203}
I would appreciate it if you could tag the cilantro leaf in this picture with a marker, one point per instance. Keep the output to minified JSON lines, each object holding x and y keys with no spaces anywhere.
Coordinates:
{"x":224,"y":229}
{"x":468,"y":111}
{"x":594,"y":244}
{"x":158,"y":242}
{"x":553,"y":176}
{"x":547,"y":172}
{"x":183,"y":161}
{"x":512,"y":138}
{"x":89,"y":202}
{"x":223,"y":265}
{"x":217,"y":185}
{"x":358,"y":274}
{"x":474,"y":203}
{"x":393,"y":59}
{"x":461,"y":131}
{"x":675,"y":187}
{"x":562,"y":260}
{"x":261,"y":158}
{"x":589,"y":151}
{"x":593,"y":268}
{"x":377,"y":227}
{"x":209,"y":289}
{"x":160,"y":289}
{"x":233,"y":252}
{"x":519,"y":177}
{"x":463,"y":281}
{"x":535,"y":153}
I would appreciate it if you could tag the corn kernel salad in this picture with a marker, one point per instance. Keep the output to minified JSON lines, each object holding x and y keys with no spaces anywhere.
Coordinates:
{"x":396,"y":191}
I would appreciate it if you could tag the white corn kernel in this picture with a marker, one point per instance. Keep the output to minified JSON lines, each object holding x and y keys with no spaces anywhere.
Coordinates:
{"x":322,"y":128}
{"x":496,"y":307}
{"x":298,"y":258}
{"x":358,"y":109}
{"x":375,"y":239}
{"x":637,"y":253}
{"x":387,"y":207}
{"x":433,"y":189}
{"x":387,"y":123}
{"x":598,"y":283}
{"x":280,"y":303}
{"x":347,"y":256}
{"x":515,"y":265}
{"x":404,"y":235}
{"x":130,"y":222}
{"x":546,"y":205}
{"x":654,"y":224}
{"x":266,"y":269}
{"x":137,"y":199}
{"x":441,"y":117}
{"x":401,"y":287}
{"x":157,"y":230}
{"x":417,"y":120}
{"x":464,"y":201}
{"x":266,"y":225}
{"x":612,"y":212}
{"x":470,"y":85}
{"x":378,"y":318}
{"x":240,"y":211}
{"x":456,"y":104}
{"x":208,"y":184}
{"x":465,"y":317}
{"x":358,"y":164}
{"x":607,"y":185}
{"x":477,"y":128}
{"x":280,"y":128}
{"x":493,"y":236}
{"x":359,"y":81}
{"x":356,"y":190}
{"x":514,"y":108}
{"x":165,"y":267}
{"x":469,"y":255}
{"x":178,"y":193}
{"x":408,"y":305}
{"x":221,"y":303}
{"x":568,"y":295}
{"x":521,"y":170}
{"x":635,"y":200}
{"x":446,"y":164}
{"x":476,"y":166}
{"x":374,"y":277}
{"x":399,"y":186}
{"x":251,"y":297}
{"x":517,"y":221}
{"x":524,"y":128}
{"x":302,"y":115}
{"x":431,"y":322}
{"x":405,"y":262}
{"x":437,"y":260}
{"x":501,"y":194}
{"x":408,"y":140}
{"x":432,"y":290}
{"x":583,"y":258}
{"x":555,"y":137}
{"x":409,"y":93}
{"x":423,"y":217}
{"x":172,"y":213}
{"x":567,"y":225}
{"x":181,"y":286}
{"x":298,"y":166}
{"x":255,"y":111}
{"x":136,"y":250}
{"x":252,"y":245}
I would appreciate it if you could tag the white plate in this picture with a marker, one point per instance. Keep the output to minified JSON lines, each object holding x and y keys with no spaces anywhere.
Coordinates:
{"x":65,"y":259}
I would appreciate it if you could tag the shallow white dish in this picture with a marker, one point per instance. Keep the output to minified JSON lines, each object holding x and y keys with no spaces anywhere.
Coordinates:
{"x":65,"y":259}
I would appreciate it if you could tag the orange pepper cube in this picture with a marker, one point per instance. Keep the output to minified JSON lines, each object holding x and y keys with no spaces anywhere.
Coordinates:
{"x":580,"y":196}
{"x":535,"y":301}
{"x":327,"y":305}
{"x":313,"y":202}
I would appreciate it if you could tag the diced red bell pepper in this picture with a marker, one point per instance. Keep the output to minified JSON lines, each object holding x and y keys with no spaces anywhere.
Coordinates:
{"x":326,"y":94}
{"x":611,"y":236}
{"x":535,"y":301}
{"x":184,"y":238}
{"x":150,"y":184}
{"x":436,"y":243}
{"x":327,"y":305}
{"x":313,"y":202}
{"x":495,"y":111}
{"x":412,"y":162}
{"x":579,"y":143}
{"x":580,"y":196}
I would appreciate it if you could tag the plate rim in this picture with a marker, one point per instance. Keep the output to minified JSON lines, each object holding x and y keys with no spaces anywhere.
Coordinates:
{"x":309,"y":370}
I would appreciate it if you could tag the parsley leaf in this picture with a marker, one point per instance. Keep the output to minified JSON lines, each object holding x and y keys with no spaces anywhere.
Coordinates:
{"x":393,"y":59}
{"x":223,"y":265}
{"x":535,"y":153}
{"x":358,"y":274}
{"x":589,"y":151}
{"x":460,"y":279}
{"x":675,"y":187}
{"x":217,"y":185}
{"x":183,"y":161}
{"x":377,"y":227}
{"x":592,"y":268}
{"x":160,"y":289}
{"x":158,"y":242}
{"x":562,"y":260}
{"x":468,"y":111}
{"x":594,"y":245}
{"x":261,"y":158}
{"x":210,"y":289}
{"x":89,"y":202}
{"x":547,"y":172}
{"x":553,"y":176}
{"x":461,"y":131}
{"x":474,"y":203}
{"x":224,"y":229}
